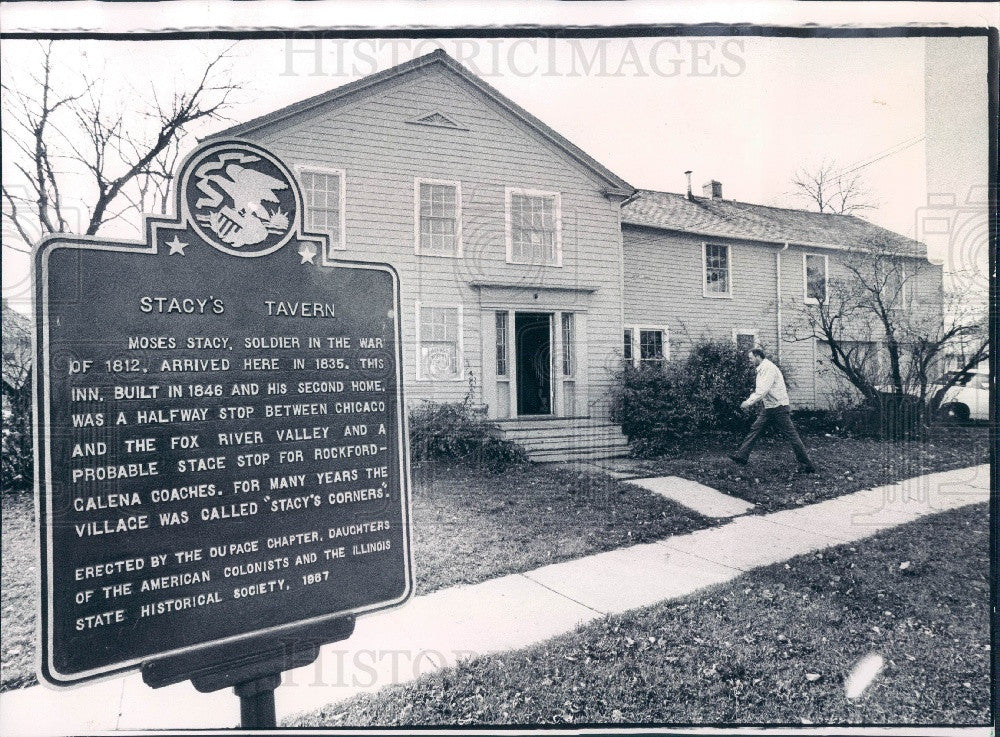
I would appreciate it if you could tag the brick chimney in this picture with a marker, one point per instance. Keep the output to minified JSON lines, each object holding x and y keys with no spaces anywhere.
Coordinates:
{"x":712,"y":189}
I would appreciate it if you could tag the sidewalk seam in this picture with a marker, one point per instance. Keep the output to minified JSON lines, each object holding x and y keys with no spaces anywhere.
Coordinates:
{"x":560,"y":593}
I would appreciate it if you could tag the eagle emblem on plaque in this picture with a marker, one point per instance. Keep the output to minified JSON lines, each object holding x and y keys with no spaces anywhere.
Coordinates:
{"x":241,"y":200}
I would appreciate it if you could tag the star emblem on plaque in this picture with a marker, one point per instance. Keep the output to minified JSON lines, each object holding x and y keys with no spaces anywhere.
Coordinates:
{"x":240,"y":199}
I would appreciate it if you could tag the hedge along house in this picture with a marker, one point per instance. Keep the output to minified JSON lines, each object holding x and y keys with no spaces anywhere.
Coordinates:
{"x":710,"y":268}
{"x":506,"y":237}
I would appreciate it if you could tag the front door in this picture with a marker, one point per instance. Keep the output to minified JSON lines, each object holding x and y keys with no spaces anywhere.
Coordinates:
{"x":533,"y":351}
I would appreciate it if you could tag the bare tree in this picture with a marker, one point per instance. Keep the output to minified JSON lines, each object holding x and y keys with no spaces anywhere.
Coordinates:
{"x":887,"y":335}
{"x":66,"y":136}
{"x":16,"y":463}
{"x":831,"y":189}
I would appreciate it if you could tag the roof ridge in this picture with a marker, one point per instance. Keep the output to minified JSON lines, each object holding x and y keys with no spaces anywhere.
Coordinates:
{"x":641,"y":190}
{"x":749,"y":220}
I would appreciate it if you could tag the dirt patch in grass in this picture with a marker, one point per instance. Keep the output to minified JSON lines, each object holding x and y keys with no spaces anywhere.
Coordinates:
{"x":17,"y":591}
{"x":773,"y":646}
{"x":771,"y":480}
{"x":469,"y":526}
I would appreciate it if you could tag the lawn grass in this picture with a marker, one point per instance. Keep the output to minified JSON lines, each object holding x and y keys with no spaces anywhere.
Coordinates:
{"x":772,"y":646}
{"x":17,"y":590}
{"x":468,"y":526}
{"x":771,"y":480}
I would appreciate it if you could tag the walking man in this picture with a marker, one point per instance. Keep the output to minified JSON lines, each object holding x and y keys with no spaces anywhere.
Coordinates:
{"x":773,"y":394}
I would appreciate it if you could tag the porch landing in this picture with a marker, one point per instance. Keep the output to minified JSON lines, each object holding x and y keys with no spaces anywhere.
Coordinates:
{"x":565,"y":439}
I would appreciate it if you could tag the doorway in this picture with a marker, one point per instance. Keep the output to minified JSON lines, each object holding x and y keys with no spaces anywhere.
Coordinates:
{"x":533,"y":351}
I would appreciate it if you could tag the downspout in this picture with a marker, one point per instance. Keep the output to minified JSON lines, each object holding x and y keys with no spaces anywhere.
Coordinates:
{"x":777,"y":288}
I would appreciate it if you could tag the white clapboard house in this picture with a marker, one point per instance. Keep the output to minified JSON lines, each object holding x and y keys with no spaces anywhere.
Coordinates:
{"x":528,"y":269}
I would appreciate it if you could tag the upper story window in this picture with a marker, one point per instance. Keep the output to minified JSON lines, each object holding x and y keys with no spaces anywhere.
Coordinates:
{"x":323,"y":190}
{"x":718,"y":281}
{"x":438,"y":217}
{"x":439,"y":342}
{"x":814,"y":274}
{"x":534,"y":230}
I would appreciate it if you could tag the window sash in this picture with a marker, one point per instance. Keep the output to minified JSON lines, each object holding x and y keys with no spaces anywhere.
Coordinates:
{"x":650,"y":345}
{"x":322,"y":191}
{"x":568,"y":358}
{"x":502,"y":345}
{"x":439,"y":348}
{"x":627,"y":345}
{"x":533,"y":228}
{"x":438,"y":218}
{"x":815,"y":278}
{"x":716,"y":268}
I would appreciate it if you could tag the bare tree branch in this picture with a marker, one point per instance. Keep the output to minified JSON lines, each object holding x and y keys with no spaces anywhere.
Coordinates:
{"x":62,"y":130}
{"x":828,"y":190}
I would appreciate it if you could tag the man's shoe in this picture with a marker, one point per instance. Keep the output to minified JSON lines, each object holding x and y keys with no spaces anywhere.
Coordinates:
{"x":738,"y":461}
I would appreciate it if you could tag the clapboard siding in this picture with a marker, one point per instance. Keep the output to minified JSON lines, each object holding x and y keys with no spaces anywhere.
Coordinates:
{"x":663,"y":286}
{"x":381,"y":153}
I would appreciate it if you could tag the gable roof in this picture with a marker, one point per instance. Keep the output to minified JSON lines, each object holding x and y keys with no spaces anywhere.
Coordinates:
{"x":340,"y":95}
{"x":721,"y":218}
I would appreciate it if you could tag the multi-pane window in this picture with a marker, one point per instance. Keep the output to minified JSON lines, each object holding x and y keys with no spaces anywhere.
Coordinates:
{"x":502,"y":347}
{"x":533,"y":233}
{"x":627,"y":346}
{"x":322,"y":191}
{"x":717,"y":281}
{"x":438,"y":216}
{"x":439,"y":342}
{"x":650,"y":345}
{"x":567,"y":344}
{"x":815,"y":278}
{"x":745,"y":341}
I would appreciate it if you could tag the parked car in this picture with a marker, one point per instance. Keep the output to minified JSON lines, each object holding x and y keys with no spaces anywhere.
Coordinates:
{"x":969,"y":398}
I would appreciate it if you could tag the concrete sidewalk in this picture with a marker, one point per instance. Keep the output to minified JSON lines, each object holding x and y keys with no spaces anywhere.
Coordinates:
{"x":514,"y":611}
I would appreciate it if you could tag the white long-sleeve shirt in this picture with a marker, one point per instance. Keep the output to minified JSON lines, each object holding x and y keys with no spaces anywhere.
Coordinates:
{"x":770,"y":386}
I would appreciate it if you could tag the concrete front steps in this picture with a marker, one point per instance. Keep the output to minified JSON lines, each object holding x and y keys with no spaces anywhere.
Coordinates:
{"x":562,"y":439}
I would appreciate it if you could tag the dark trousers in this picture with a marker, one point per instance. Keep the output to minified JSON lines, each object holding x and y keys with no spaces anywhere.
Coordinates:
{"x":781,"y":419}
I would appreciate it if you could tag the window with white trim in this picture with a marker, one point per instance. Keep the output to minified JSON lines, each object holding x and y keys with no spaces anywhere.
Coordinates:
{"x":323,"y":190}
{"x":744,"y":340}
{"x":439,"y":342}
{"x":534,"y":230}
{"x":717,"y":267}
{"x":438,"y":218}
{"x":627,"y":352}
{"x":652,"y":345}
{"x":814,"y":274}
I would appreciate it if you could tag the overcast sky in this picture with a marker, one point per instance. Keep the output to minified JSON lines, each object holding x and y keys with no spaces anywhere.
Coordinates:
{"x":748,"y":112}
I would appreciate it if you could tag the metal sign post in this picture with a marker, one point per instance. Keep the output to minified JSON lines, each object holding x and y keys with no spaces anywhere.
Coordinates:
{"x":221,"y":451}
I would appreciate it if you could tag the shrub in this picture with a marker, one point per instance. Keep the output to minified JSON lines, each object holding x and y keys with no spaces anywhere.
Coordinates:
{"x":658,"y":403}
{"x":17,"y":469}
{"x":455,"y":431}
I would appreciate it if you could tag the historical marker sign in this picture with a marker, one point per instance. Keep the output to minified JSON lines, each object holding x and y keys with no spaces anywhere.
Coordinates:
{"x":220,"y":436}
